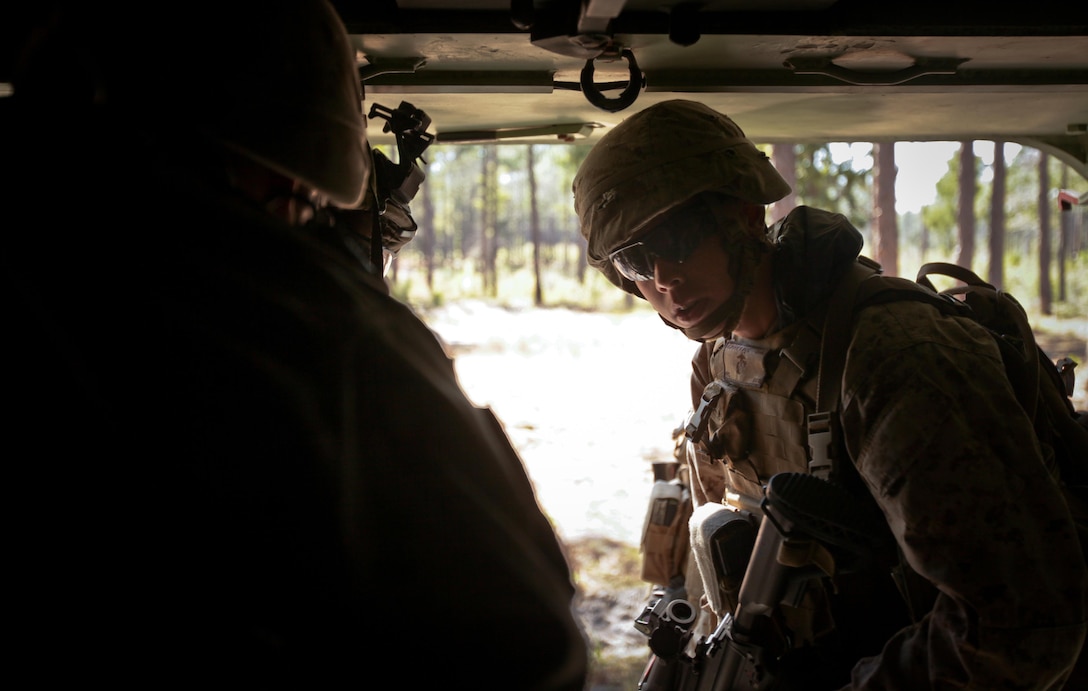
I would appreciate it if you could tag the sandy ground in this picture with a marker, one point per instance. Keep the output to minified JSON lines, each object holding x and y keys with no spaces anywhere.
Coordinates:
{"x":589,"y":400}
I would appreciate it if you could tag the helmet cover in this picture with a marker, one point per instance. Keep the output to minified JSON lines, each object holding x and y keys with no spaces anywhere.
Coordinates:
{"x":274,"y":81}
{"x":656,"y":160}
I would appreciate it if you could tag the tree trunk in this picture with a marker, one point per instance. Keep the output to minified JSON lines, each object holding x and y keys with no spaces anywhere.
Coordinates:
{"x":583,"y":259}
{"x":471,"y":233}
{"x":484,"y":226}
{"x":534,"y":230}
{"x":966,"y":215}
{"x":1045,"y":294}
{"x":427,"y":235}
{"x":885,"y":221}
{"x":490,"y":221}
{"x":997,"y":217}
{"x":1065,"y":229}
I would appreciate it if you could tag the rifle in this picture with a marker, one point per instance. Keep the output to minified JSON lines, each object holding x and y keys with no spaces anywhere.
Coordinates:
{"x":806,"y":521}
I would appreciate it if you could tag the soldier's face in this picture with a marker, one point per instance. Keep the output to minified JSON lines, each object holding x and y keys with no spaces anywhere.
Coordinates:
{"x":687,"y":292}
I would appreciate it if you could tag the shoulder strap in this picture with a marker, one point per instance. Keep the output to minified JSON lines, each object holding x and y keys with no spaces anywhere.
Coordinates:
{"x":834,"y":340}
{"x":836,"y":332}
{"x":862,"y":285}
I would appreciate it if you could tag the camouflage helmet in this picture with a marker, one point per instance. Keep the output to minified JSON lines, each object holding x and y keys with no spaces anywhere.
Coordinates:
{"x":316,"y":131}
{"x":655,"y":161}
{"x":274,"y":81}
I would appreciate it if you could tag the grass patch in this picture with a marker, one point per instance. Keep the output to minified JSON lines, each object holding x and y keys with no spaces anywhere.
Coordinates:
{"x":610,"y":596}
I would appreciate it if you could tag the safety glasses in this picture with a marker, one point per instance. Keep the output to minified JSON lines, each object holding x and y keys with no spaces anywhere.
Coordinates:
{"x":669,"y":241}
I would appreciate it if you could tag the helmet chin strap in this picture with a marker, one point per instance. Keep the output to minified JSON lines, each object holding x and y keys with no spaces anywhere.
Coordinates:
{"x":721,"y":321}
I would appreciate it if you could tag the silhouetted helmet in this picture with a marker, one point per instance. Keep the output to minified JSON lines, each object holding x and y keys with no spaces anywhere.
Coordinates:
{"x":657,"y":160}
{"x":274,"y":81}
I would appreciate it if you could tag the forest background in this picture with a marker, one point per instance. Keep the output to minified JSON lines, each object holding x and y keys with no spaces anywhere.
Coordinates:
{"x":497,"y":221}
{"x":588,"y":382}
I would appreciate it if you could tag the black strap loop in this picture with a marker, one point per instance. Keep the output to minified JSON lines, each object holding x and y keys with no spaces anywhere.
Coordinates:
{"x":634,"y":84}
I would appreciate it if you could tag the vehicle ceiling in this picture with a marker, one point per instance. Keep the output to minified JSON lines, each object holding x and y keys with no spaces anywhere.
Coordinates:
{"x":785,"y":70}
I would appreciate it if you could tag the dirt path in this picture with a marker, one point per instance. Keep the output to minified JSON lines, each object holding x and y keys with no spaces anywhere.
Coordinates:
{"x":588,"y":400}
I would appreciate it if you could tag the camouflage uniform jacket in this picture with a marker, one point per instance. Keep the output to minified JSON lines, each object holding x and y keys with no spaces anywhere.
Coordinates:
{"x":938,"y":440}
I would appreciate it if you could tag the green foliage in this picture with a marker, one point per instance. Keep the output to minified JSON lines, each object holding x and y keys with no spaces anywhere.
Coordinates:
{"x":401,"y":289}
{"x":516,"y":283}
{"x":1022,"y":201}
{"x":1075,"y":306}
{"x":939,"y":218}
{"x":454,"y":230}
{"x":614,"y":671}
{"x":825,"y":183}
{"x":606,"y":572}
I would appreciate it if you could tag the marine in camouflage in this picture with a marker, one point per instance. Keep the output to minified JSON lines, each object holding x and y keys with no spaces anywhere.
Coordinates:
{"x":938,"y":439}
{"x":980,"y":581}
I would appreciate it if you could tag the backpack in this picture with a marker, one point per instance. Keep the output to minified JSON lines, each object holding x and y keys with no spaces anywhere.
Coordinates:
{"x":1043,"y":388}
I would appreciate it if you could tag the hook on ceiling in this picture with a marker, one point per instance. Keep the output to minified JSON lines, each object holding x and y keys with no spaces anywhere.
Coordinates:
{"x":635,"y":82}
